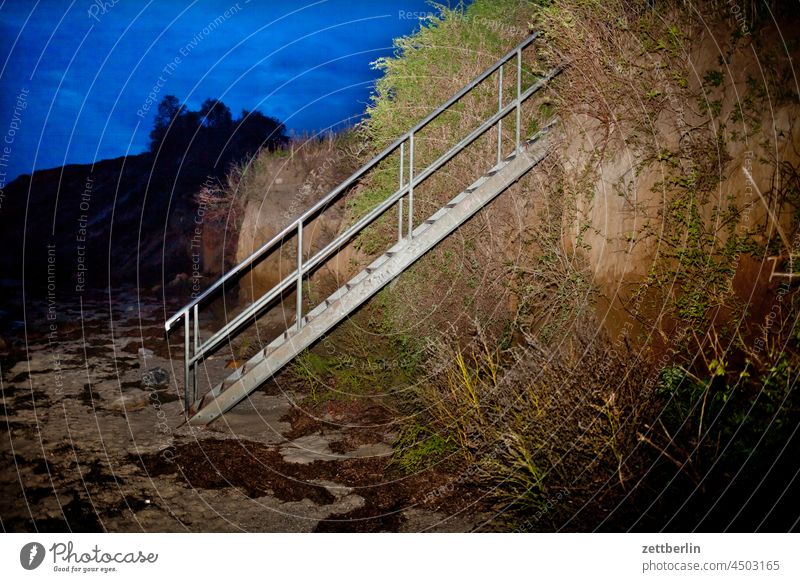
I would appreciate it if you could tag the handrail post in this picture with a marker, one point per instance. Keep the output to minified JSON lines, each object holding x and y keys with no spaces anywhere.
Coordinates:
{"x":411,"y":185}
{"x":500,"y":121}
{"x":326,"y":200}
{"x":195,"y":348}
{"x":299,"y":275}
{"x":188,"y":397}
{"x":519,"y":95}
{"x":400,"y":200}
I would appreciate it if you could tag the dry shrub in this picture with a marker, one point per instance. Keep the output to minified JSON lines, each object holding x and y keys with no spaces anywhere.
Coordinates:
{"x":320,"y":161}
{"x":627,"y":62}
{"x":538,"y":420}
{"x":220,"y":203}
{"x":468,"y":272}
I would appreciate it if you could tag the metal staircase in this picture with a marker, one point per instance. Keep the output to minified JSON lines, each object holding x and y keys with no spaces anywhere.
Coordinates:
{"x":411,"y":245}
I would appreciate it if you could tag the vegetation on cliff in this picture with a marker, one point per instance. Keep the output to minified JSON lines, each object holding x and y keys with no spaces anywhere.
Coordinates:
{"x":604,"y":346}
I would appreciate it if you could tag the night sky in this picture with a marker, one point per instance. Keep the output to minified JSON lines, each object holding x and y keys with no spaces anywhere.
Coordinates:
{"x":81,"y":80}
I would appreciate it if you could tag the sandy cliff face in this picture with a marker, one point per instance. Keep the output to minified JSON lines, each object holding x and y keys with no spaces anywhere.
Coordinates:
{"x":286,"y":186}
{"x":722,"y":123}
{"x":701,"y":124}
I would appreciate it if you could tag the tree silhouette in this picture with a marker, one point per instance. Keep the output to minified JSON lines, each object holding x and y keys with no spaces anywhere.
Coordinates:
{"x":215,"y":115}
{"x":207,"y":141}
{"x":255,"y":130}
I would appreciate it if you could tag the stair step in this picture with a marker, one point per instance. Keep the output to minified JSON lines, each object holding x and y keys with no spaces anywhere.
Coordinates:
{"x":458,"y":199}
{"x":314,"y":313}
{"x":378,"y":263}
{"x":356,"y":280}
{"x":476,"y":184}
{"x":240,"y":372}
{"x":205,"y":401}
{"x":437,"y":215}
{"x":317,"y":310}
{"x":337,"y":294}
{"x":403,"y":253}
{"x":420,"y":230}
{"x":227,"y":383}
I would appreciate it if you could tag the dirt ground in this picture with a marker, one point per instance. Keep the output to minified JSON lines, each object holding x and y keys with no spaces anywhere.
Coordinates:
{"x":88,"y":446}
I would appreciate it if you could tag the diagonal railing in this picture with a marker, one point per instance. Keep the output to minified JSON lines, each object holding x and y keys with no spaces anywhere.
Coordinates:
{"x":196,"y":349}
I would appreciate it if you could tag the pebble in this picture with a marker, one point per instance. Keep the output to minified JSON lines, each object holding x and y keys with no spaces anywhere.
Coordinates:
{"x":155,"y":378}
{"x":145,"y":353}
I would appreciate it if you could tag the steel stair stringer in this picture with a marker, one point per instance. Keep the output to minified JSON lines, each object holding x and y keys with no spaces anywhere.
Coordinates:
{"x":270,"y":360}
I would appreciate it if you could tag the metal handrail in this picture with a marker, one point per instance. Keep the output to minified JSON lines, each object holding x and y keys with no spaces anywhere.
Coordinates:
{"x":406,"y":188}
{"x":349,"y":181}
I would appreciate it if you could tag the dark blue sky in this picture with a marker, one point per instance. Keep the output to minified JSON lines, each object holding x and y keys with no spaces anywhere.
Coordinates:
{"x":87,"y":70}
